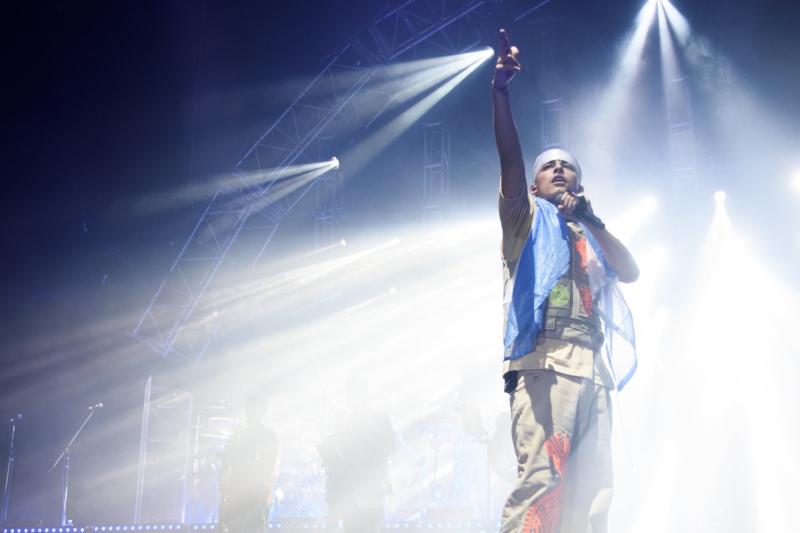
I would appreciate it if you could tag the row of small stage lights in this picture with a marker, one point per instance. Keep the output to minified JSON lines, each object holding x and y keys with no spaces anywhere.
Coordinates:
{"x":288,"y":525}
{"x":110,"y":529}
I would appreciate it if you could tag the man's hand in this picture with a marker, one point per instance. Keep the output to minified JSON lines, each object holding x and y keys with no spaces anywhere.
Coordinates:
{"x":615,"y":252}
{"x":507,"y":64}
{"x":568,"y":204}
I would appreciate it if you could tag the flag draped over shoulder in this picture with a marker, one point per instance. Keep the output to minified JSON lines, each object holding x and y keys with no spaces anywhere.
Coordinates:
{"x":619,"y":347}
{"x":544,"y":260}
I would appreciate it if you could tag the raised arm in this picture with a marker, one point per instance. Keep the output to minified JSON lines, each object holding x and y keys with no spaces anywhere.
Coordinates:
{"x":512,"y":165}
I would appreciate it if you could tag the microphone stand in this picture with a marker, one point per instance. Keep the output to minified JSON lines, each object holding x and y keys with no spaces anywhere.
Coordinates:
{"x":10,"y":468}
{"x":65,"y":455}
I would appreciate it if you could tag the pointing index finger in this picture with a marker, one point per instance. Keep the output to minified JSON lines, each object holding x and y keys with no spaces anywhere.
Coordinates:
{"x":504,"y":45}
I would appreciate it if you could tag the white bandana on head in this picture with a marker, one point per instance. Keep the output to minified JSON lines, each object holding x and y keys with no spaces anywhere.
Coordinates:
{"x":555,"y":154}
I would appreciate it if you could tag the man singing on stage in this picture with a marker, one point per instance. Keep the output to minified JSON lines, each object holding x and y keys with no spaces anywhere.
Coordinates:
{"x":562,"y":305}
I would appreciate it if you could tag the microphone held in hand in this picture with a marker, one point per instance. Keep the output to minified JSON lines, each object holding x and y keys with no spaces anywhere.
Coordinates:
{"x":581,"y":210}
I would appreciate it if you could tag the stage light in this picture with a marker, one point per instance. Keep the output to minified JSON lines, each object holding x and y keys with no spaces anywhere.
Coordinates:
{"x":796,"y":182}
{"x":289,"y":179}
{"x":604,"y":124}
{"x":428,"y":91}
{"x":414,"y":77}
{"x":719,"y":196}
{"x":283,"y":178}
{"x":670,"y":71}
{"x":677,"y":22}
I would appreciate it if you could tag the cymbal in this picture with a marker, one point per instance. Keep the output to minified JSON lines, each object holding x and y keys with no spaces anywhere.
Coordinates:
{"x":222,"y":424}
{"x":213,"y":436}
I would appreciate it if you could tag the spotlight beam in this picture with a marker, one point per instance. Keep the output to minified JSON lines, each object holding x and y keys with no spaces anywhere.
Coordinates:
{"x":359,"y":156}
{"x":419,"y":77}
{"x":669,"y":62}
{"x":605,"y":115}
{"x":281,"y":145}
{"x":677,"y":22}
{"x":203,"y":192}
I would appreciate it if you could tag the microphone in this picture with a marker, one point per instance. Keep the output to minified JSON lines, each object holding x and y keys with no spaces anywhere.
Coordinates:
{"x":96,"y":406}
{"x":581,"y":210}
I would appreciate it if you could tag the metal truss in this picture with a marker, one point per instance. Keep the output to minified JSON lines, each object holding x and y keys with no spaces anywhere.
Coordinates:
{"x":239,"y":221}
{"x":681,"y":138}
{"x":329,"y":211}
{"x":436,"y":171}
{"x":552,"y":125}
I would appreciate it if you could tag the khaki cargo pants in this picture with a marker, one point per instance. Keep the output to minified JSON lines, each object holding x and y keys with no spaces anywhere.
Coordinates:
{"x":561,"y":429}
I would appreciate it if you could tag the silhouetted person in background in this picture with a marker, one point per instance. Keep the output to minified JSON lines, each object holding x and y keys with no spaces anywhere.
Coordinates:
{"x":356,"y":459}
{"x":249,"y":469}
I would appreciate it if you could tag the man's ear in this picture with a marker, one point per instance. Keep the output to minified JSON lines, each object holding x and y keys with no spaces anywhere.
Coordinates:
{"x":580,"y":189}
{"x":533,"y":188}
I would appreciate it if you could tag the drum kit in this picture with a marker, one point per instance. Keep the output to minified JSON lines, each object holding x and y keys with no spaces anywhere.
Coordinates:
{"x":299,"y":490}
{"x":423,"y":477}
